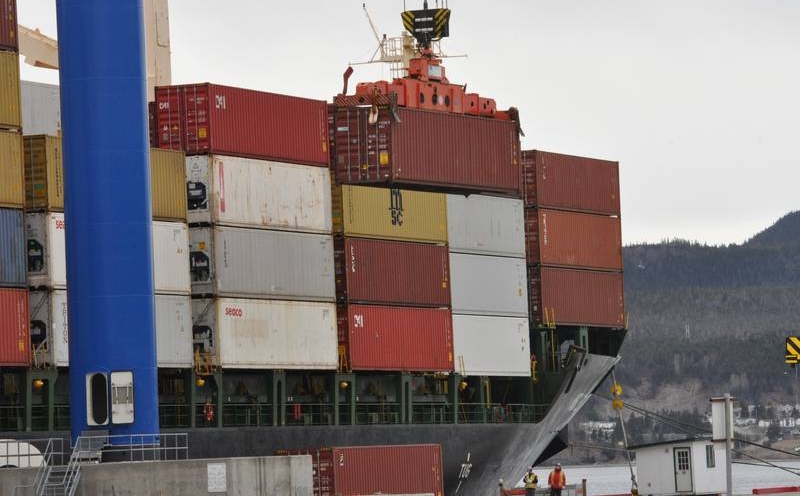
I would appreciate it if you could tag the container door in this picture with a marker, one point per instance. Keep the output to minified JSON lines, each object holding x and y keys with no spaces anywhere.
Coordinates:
{"x":683,"y":470}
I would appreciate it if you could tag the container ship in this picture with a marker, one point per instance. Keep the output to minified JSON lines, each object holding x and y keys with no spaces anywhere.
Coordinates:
{"x":387,"y":268}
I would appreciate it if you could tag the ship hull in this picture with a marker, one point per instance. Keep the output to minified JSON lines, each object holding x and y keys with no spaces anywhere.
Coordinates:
{"x":475,"y":456}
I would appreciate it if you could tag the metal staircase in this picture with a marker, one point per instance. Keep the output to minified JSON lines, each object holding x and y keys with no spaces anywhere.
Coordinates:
{"x":54,"y":478}
{"x":59,"y":471}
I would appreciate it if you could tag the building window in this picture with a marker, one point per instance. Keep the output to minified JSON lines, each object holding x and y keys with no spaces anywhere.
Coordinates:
{"x":710,"y":456}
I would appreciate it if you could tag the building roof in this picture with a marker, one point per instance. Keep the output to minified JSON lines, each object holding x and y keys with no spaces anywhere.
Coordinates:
{"x":703,"y":438}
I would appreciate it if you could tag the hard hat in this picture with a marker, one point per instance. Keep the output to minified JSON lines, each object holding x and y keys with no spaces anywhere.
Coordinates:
{"x":558,"y":465}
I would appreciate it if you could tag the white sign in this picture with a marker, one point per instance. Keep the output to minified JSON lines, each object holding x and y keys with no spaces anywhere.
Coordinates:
{"x":217,"y":480}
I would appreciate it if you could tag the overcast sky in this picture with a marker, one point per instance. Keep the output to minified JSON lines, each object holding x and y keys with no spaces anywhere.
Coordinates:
{"x":698,"y":100}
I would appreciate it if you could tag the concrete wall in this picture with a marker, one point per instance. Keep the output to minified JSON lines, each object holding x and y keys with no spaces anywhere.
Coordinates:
{"x":258,"y":476}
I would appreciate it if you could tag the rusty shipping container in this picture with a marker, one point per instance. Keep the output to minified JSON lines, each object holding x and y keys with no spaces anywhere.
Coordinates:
{"x":8,"y":25}
{"x":10,"y":108}
{"x":559,"y":238}
{"x":211,"y":118}
{"x":391,"y":272}
{"x":12,"y":177}
{"x":409,"y":469}
{"x":15,"y":341}
{"x":576,"y":297}
{"x":396,"y":338}
{"x":428,"y":149}
{"x":566,"y":182}
{"x":390,"y":213}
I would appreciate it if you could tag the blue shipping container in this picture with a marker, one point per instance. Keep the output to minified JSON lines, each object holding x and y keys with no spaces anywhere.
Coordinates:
{"x":13,"y":262}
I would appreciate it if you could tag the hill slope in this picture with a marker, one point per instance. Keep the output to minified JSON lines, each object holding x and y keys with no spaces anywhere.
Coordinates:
{"x":707,"y":320}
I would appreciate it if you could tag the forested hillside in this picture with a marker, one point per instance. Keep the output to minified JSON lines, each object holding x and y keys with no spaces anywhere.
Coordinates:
{"x":705,"y":320}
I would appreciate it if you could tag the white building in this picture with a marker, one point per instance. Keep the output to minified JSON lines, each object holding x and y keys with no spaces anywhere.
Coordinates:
{"x":690,"y":466}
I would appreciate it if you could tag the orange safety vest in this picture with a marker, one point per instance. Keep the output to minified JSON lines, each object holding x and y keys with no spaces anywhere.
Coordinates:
{"x":208,"y":409}
{"x":557,"y":479}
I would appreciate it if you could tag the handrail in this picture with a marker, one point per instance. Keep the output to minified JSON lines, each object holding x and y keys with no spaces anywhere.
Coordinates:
{"x":89,"y":448}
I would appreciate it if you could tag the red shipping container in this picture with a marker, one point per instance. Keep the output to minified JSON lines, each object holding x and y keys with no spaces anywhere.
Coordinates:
{"x":391,"y":272}
{"x":429,"y":149}
{"x":559,"y":238}
{"x":566,"y":182}
{"x":362,"y":470}
{"x":576,"y":297}
{"x":396,"y":338}
{"x":210,"y":118}
{"x":15,"y":339}
{"x":9,"y":39}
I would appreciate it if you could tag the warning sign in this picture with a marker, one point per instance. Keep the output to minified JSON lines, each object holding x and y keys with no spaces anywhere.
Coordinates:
{"x":792,"y":350}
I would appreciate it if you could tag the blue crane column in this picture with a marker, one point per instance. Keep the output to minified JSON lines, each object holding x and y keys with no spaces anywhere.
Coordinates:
{"x":108,"y":214}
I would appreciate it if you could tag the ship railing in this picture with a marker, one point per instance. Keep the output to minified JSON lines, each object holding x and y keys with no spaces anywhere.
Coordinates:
{"x":12,"y":418}
{"x":61,"y":417}
{"x":174,"y":415}
{"x":431,"y":413}
{"x":247,"y":414}
{"x":501,"y":413}
{"x":309,"y":414}
{"x":381,"y":412}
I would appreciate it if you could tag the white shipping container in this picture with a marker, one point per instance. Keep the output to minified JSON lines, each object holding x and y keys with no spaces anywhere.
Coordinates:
{"x":47,"y":263}
{"x":171,"y":258}
{"x":174,"y":331}
{"x":486,"y":225}
{"x":50,"y":332}
{"x":246,"y":192}
{"x":41,"y":108}
{"x":266,"y":334}
{"x":486,"y":285}
{"x":239,"y":262}
{"x":47,"y":266}
{"x":485,"y":345}
{"x":49,"y":329}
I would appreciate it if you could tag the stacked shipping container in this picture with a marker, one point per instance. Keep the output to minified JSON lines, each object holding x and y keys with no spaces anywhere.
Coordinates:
{"x":358,"y":470}
{"x":46,"y":257}
{"x":573,"y":239}
{"x":261,"y":251}
{"x":490,"y":305}
{"x":392,"y":279}
{"x":14,"y":329}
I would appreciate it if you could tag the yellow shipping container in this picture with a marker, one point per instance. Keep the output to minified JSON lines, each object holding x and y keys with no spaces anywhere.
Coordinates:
{"x":12,"y":179}
{"x":390,"y":213}
{"x":44,"y":173}
{"x":10,"y":112}
{"x":168,"y":184}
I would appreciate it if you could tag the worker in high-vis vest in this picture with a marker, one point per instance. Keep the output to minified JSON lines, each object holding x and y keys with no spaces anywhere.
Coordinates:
{"x":557,"y":481}
{"x":531,"y":480}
